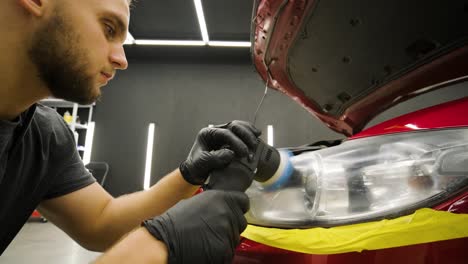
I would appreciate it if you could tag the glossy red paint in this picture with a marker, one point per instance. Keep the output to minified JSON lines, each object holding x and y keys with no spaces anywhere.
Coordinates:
{"x":448,"y":115}
{"x":457,"y":205}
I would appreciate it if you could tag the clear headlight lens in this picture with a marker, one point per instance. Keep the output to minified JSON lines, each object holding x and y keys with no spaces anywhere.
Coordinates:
{"x":365,"y":179}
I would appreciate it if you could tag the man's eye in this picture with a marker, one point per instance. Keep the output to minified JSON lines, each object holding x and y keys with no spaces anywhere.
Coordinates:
{"x":110,"y":31}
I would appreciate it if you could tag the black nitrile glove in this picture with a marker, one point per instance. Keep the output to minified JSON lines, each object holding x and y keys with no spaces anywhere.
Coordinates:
{"x":203,"y":229}
{"x":215,"y":148}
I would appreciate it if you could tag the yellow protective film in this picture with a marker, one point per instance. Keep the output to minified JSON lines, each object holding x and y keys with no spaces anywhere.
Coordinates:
{"x":423,"y":226}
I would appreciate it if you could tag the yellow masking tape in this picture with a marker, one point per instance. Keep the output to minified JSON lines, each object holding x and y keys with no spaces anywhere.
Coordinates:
{"x":423,"y":226}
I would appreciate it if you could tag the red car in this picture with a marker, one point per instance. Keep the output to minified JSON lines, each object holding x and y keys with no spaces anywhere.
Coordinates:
{"x":396,"y":192}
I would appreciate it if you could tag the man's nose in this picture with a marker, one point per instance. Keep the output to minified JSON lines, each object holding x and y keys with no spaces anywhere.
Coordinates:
{"x":118,"y":59}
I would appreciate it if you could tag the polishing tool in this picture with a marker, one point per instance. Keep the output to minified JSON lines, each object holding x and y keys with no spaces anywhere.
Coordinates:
{"x":270,"y":167}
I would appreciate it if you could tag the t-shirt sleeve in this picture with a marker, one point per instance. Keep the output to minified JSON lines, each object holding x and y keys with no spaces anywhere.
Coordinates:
{"x":73,"y":177}
{"x":72,"y":174}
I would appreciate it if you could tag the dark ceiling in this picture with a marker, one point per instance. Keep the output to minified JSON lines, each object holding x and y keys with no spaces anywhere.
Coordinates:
{"x":226,"y":20}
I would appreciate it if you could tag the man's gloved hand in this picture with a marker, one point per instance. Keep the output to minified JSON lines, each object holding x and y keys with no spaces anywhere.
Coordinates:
{"x":203,"y":229}
{"x":215,"y":147}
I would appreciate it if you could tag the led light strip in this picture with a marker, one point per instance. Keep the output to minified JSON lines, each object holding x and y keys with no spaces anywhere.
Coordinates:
{"x":204,"y":32}
{"x":154,"y":42}
{"x":201,"y":21}
{"x":88,"y":143}
{"x":149,"y":157}
{"x":169,"y":42}
{"x":270,"y":135}
{"x":235,"y":44}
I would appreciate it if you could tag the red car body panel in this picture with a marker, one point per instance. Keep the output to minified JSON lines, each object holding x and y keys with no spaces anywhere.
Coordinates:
{"x":451,"y":114}
{"x":448,"y":115}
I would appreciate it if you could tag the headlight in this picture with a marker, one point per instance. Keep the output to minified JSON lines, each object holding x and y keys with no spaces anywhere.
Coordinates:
{"x":365,"y":179}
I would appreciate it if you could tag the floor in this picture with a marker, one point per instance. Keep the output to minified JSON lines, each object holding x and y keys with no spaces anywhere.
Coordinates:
{"x":44,"y":243}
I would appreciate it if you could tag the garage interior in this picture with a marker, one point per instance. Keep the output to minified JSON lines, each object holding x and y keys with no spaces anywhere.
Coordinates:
{"x":181,"y":79}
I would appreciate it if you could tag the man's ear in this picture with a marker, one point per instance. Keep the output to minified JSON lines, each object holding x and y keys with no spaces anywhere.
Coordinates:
{"x":34,"y":7}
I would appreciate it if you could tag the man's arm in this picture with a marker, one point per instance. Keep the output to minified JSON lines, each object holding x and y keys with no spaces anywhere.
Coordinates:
{"x":203,"y":229}
{"x":138,"y":247}
{"x":96,"y":220}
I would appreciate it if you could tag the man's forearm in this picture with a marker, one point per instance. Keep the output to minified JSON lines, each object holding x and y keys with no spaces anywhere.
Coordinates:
{"x":138,"y":247}
{"x":125,"y":213}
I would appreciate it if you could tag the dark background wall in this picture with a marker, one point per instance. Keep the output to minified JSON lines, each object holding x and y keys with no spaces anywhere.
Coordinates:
{"x":181,"y":97}
{"x":185,"y":93}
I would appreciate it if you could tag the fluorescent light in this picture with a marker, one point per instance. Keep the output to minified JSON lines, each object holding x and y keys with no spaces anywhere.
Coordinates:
{"x":201,"y":21}
{"x":270,"y":135}
{"x":169,"y":42}
{"x":240,"y":44}
{"x":149,"y":156}
{"x":88,"y":143}
{"x":130,"y":40}
{"x":204,"y":32}
{"x":163,"y":42}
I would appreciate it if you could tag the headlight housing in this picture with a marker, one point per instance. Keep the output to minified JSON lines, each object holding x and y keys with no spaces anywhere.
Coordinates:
{"x":365,"y":179}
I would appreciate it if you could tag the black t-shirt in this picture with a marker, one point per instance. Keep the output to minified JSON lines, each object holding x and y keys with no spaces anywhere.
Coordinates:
{"x":38,"y":161}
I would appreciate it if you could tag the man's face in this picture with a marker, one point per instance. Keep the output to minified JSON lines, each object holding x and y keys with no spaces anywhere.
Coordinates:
{"x":78,"y":48}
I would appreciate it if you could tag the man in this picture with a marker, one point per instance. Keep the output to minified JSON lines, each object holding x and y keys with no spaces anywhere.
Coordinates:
{"x":69,"y":49}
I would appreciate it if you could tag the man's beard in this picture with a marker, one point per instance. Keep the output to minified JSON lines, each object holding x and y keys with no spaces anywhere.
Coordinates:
{"x":60,"y":63}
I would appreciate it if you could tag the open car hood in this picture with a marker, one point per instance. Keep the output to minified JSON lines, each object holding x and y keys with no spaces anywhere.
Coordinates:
{"x":347,"y":62}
